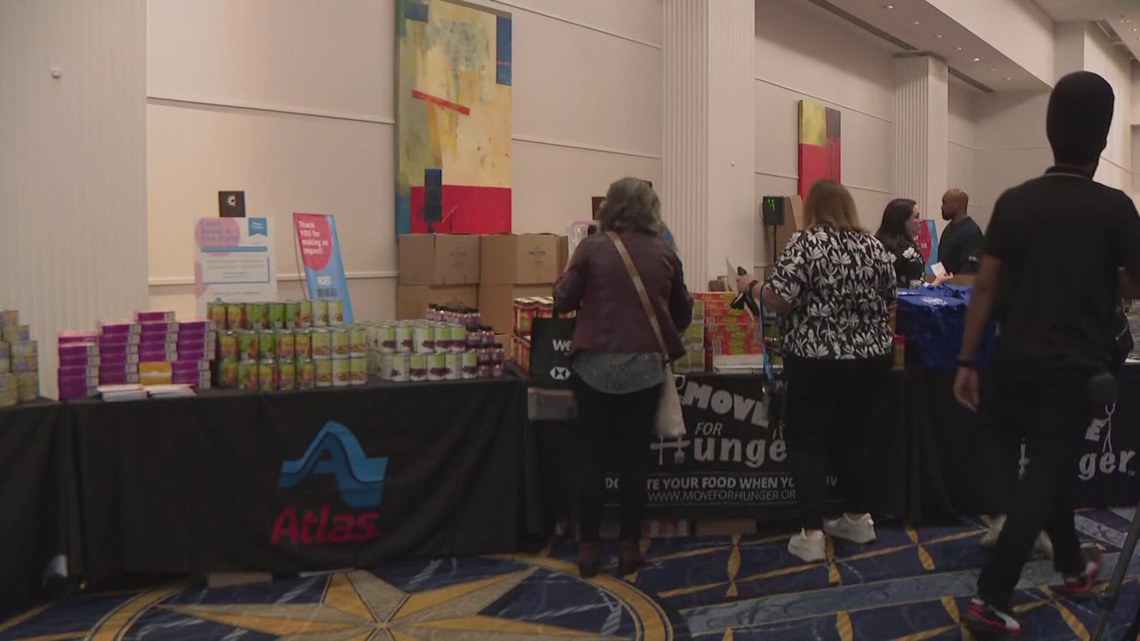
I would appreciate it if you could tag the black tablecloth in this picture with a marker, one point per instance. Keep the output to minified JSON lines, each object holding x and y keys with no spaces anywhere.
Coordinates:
{"x":299,"y":481}
{"x":960,"y":454}
{"x":35,"y":473}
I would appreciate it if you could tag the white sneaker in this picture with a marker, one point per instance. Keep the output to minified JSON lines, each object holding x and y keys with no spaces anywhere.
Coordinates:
{"x":810,"y":548}
{"x":859,"y":530}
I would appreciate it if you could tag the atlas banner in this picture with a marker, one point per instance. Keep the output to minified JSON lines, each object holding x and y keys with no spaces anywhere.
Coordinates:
{"x":233,"y":261}
{"x":302,"y":482}
{"x":320,"y":254}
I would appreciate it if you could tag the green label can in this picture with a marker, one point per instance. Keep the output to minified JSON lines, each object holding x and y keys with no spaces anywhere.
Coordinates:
{"x":292,"y":314}
{"x":341,"y":345}
{"x":247,"y":376}
{"x":322,"y":343}
{"x":306,"y":374}
{"x":226,"y":373}
{"x":235,"y":316}
{"x":306,"y":313}
{"x":437,"y":367}
{"x":276,"y":316}
{"x":336,"y":311}
{"x":227,"y":346}
{"x":357,"y":341}
{"x":217,"y":313}
{"x":418,"y":367}
{"x":247,"y":345}
{"x":341,"y":372}
{"x":323,"y":368}
{"x":320,"y":312}
{"x":266,"y":345}
{"x":267,"y":376}
{"x":358,"y":367}
{"x":286,"y":345}
{"x":286,"y":376}
{"x":303,"y":344}
{"x":258,"y":315}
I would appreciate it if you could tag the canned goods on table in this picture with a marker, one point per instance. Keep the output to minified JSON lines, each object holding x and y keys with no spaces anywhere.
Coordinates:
{"x":323,"y":369}
{"x":358,"y":370}
{"x":267,"y":376}
{"x":417,"y":367}
{"x":321,"y":343}
{"x":469,"y":365}
{"x":27,"y":386}
{"x":235,"y":316}
{"x":395,"y":367}
{"x":341,"y":372}
{"x":320,"y":312}
{"x":423,"y":339}
{"x":227,"y":345}
{"x":341,"y":346}
{"x":247,"y":345}
{"x":258,"y":315}
{"x":267,"y":345}
{"x":286,"y":345}
{"x":276,"y":316}
{"x":306,"y":374}
{"x":437,"y":367}
{"x":292,"y":314}
{"x":247,"y":376}
{"x":305,"y":313}
{"x":302,"y":343}
{"x":458,"y":338}
{"x":217,"y":313}
{"x":404,"y":338}
{"x":387,"y":337}
{"x":226,"y":372}
{"x":357,"y":341}
{"x":286,"y":375}
{"x":454,"y":368}
{"x":336,"y":311}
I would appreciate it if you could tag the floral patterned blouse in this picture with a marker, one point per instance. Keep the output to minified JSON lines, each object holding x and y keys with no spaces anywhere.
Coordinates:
{"x":910,"y":266}
{"x":840,"y":284}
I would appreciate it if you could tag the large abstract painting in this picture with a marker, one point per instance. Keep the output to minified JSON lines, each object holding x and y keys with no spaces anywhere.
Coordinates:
{"x":453,"y":118}
{"x":819,"y":144}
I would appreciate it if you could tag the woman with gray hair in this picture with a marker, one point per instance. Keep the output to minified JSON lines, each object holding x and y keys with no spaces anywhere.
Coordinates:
{"x":618,"y":357}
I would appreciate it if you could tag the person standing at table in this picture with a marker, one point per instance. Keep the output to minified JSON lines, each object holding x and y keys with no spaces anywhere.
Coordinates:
{"x":617,"y":360}
{"x":960,"y":247}
{"x":1060,"y":250}
{"x":898,"y":231}
{"x":835,"y":283}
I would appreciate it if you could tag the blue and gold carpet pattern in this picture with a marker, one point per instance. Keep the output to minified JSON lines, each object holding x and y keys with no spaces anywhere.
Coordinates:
{"x":911,"y":584}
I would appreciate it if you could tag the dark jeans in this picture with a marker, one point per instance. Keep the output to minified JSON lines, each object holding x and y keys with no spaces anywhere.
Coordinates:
{"x":1057,"y":412}
{"x":615,"y":429}
{"x":830,"y":404}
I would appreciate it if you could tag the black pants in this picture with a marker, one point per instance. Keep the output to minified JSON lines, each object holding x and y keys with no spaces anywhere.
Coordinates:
{"x":1056,"y":412}
{"x":829,"y":411}
{"x":615,"y":431}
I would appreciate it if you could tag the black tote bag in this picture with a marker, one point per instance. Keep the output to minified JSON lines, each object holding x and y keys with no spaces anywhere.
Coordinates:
{"x":550,"y":352}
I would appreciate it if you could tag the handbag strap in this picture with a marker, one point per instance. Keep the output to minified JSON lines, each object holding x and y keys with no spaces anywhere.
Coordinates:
{"x":641,"y":292}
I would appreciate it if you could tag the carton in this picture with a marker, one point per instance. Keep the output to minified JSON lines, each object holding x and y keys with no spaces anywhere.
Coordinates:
{"x":520,"y":259}
{"x":439,"y":259}
{"x":412,"y":301}
{"x":497,"y":303}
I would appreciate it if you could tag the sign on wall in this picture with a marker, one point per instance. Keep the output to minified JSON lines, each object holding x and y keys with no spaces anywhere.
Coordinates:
{"x":233,"y":261}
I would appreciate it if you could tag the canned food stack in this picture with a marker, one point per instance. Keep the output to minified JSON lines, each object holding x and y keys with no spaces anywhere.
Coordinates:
{"x":284,"y":346}
{"x":19,"y":361}
{"x":449,"y":344}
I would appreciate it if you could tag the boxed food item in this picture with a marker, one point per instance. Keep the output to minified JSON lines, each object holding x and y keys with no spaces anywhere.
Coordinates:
{"x":497,"y":303}
{"x":153,"y":315}
{"x":520,"y":259}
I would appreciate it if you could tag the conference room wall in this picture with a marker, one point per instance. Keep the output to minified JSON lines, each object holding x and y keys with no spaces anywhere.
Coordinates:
{"x":803,"y":52}
{"x":293,"y":101}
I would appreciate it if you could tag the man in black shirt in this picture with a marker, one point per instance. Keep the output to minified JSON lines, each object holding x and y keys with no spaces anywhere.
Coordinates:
{"x":1056,"y":252}
{"x":960,"y":247}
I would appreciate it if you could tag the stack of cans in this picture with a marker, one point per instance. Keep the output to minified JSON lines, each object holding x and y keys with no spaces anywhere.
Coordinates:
{"x":426,"y":350}
{"x":19,"y":361}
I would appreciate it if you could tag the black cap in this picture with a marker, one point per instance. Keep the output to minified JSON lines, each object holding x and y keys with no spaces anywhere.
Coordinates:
{"x":1079,"y":116}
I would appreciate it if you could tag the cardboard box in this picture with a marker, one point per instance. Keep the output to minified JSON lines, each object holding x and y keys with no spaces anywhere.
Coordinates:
{"x":497,"y":303}
{"x":519,"y":259}
{"x":439,"y":259}
{"x":412,"y":300}
{"x":563,"y":253}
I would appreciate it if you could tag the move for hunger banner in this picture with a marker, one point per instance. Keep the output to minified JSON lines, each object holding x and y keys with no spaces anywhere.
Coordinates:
{"x":320,"y":254}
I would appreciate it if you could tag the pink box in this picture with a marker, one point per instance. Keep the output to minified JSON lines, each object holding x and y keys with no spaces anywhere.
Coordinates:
{"x":66,"y":393}
{"x":150,"y":315}
{"x":78,"y":336}
{"x":157,"y":356}
{"x":124,"y":378}
{"x":118,"y":340}
{"x":78,"y":361}
{"x":78,"y":349}
{"x":77,"y":382}
{"x":188,"y":366}
{"x":112,"y":360}
{"x":159,"y":327}
{"x":197,"y":326}
{"x":78,"y":370}
{"x":118,"y":328}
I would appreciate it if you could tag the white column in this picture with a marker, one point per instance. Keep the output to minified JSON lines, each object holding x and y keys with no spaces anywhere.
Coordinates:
{"x":709,"y":153}
{"x":921,"y":121}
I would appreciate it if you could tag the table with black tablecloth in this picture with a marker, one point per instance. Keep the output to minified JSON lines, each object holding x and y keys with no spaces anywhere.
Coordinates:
{"x":35,"y":474}
{"x":287,"y":482}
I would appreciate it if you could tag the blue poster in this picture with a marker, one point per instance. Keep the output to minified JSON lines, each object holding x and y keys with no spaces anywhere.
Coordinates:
{"x":320,"y":253}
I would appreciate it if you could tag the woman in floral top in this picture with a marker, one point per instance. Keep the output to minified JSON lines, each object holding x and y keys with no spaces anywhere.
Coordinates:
{"x":835,"y":283}
{"x":898,"y":232}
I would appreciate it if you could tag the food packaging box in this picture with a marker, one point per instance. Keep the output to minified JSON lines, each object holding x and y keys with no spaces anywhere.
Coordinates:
{"x":439,"y":259}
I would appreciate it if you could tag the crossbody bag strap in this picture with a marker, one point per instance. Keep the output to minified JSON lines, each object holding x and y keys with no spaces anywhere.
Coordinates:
{"x":641,"y":292}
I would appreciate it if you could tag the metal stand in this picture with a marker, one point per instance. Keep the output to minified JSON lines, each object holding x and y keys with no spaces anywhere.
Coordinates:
{"x":1107,"y":601}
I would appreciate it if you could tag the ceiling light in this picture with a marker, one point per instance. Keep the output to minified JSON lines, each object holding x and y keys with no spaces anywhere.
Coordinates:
{"x":1135,"y":29}
{"x":915,"y":23}
{"x":957,"y":48}
{"x":977,"y":59}
{"x":1124,"y":21}
{"x":1008,"y":78}
{"x":889,"y":7}
{"x":937,"y":35}
{"x":993,"y":68}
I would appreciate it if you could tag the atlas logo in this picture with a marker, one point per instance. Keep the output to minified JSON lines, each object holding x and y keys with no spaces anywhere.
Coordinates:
{"x":336,"y":454}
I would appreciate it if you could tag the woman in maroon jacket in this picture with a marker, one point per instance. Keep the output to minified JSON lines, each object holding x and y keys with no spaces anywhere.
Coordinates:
{"x":618,"y":363}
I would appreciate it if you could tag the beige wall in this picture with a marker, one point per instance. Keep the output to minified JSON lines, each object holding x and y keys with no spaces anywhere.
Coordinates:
{"x":72,"y":165}
{"x":292,"y":101}
{"x":804,"y":52}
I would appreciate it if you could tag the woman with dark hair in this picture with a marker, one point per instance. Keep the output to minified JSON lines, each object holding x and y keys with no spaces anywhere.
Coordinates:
{"x":618,"y":359}
{"x":898,"y":232}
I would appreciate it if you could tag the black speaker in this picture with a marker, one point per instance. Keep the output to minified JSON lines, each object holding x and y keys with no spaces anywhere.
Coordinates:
{"x":772,"y":210}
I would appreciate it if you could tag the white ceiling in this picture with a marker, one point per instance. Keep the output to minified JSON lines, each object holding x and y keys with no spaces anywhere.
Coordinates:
{"x":1123,"y":16}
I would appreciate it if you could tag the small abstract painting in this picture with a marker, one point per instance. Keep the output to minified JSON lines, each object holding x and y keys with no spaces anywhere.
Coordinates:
{"x":819,"y":145}
{"x":453,"y":118}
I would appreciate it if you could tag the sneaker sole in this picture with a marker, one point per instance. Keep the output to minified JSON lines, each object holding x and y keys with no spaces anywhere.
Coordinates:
{"x":984,"y":632}
{"x":840,"y":535}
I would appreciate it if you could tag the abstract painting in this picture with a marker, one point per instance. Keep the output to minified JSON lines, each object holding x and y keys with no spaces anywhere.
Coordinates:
{"x":453,"y":118}
{"x":819,"y":144}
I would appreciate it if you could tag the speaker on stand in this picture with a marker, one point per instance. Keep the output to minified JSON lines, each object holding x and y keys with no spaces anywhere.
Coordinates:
{"x":773,"y":211}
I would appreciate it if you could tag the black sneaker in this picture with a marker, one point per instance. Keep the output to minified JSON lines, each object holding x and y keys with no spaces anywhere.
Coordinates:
{"x":1080,"y":586}
{"x":984,"y":621}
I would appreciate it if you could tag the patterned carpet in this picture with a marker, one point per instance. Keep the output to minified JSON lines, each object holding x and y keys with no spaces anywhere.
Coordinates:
{"x":910,"y":584}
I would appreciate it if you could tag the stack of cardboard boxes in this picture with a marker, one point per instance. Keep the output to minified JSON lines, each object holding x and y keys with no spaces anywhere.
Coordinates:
{"x":483,"y":272}
{"x":733,"y":337}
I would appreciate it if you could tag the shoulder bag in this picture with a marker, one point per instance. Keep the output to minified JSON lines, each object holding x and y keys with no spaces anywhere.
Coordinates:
{"x":670,"y":421}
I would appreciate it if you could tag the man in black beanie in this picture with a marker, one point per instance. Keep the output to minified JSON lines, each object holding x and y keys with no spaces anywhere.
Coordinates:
{"x":1058,"y":251}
